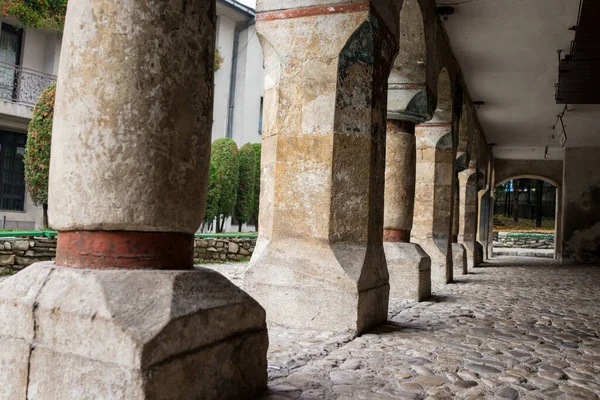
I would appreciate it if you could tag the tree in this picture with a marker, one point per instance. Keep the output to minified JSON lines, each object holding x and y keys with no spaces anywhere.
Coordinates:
{"x":46,"y":14}
{"x":212,"y":197}
{"x":245,"y":193}
{"x":539,"y":191}
{"x":37,"y":150}
{"x":224,"y":156}
{"x":257,"y":171}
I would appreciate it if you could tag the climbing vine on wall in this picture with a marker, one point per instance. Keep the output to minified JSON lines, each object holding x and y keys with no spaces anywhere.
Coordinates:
{"x":39,"y":14}
{"x":37,"y":149}
{"x":218,"y":60}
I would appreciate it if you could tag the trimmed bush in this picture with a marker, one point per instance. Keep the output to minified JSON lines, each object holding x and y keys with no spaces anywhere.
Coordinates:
{"x":212,"y":197}
{"x":37,"y":150}
{"x":257,"y":171}
{"x":245,"y":193}
{"x":224,"y":156}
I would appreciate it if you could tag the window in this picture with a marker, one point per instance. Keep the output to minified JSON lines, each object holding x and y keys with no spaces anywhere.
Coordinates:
{"x":10,"y":55}
{"x":260,"y":117}
{"x":12,"y":171}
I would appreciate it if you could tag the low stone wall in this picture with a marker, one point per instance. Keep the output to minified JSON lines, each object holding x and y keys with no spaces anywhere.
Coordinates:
{"x":523,"y":240}
{"x":223,"y":249}
{"x":18,"y":253}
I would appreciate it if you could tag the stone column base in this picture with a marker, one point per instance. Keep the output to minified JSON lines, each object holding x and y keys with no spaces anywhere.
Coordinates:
{"x":439,"y":252}
{"x":141,"y":334}
{"x":478,"y":254}
{"x":309,"y":288}
{"x":410,"y":271}
{"x":459,"y":259}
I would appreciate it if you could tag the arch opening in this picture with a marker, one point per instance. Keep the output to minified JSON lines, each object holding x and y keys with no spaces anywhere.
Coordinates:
{"x":526,"y":215}
{"x":408,"y":98}
{"x":443,"y":111}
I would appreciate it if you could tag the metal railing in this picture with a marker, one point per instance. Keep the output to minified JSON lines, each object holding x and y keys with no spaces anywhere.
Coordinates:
{"x":22,"y":85}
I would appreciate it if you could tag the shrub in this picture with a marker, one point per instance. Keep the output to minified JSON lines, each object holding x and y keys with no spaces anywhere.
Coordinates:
{"x":224,"y":156}
{"x":257,"y":171}
{"x":212,"y":197}
{"x":245,"y":193}
{"x":47,"y":14}
{"x":37,"y":150}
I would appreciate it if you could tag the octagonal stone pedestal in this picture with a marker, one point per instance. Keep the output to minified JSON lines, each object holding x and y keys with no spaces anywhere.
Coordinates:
{"x":459,"y":259}
{"x":142,"y":334}
{"x":410,"y":271}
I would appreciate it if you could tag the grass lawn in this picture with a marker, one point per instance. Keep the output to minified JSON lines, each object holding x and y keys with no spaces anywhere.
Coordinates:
{"x":506,"y":224}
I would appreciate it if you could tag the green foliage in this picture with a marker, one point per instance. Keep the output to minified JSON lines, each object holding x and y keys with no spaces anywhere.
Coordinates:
{"x":218,"y":60}
{"x":224,"y":156}
{"x":245,"y":193}
{"x":257,"y":151}
{"x":212,"y":198}
{"x":37,"y":149}
{"x":39,"y":14}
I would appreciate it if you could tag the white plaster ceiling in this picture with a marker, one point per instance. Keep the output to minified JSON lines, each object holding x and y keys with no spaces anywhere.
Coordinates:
{"x":507,"y":50}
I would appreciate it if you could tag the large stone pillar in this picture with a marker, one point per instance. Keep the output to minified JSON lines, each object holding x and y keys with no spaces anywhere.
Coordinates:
{"x":319,"y":260}
{"x":434,"y":197}
{"x":408,"y":265}
{"x":468,"y":214}
{"x":122,"y":313}
{"x":459,"y":253}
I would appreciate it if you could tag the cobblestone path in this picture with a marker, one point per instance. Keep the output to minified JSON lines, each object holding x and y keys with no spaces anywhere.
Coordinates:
{"x":515,"y":328}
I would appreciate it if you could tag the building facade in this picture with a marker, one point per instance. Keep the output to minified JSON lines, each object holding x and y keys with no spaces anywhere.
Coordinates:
{"x":29,"y":63}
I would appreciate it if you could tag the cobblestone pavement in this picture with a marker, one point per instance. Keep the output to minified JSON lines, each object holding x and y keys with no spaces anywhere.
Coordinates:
{"x":515,"y":328}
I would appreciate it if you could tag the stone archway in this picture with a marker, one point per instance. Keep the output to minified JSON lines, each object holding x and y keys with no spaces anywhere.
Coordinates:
{"x":558,"y":203}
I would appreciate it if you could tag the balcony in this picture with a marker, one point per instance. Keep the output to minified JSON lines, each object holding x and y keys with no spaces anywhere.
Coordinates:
{"x":22,"y":85}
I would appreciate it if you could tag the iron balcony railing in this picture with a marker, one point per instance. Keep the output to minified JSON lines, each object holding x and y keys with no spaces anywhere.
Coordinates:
{"x":22,"y":85}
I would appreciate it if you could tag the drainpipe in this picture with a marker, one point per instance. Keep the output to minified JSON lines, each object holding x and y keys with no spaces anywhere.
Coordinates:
{"x":234,"y":62}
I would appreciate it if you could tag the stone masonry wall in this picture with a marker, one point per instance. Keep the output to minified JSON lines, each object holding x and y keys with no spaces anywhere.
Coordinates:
{"x":18,"y":253}
{"x":223,"y":249}
{"x":523,"y":240}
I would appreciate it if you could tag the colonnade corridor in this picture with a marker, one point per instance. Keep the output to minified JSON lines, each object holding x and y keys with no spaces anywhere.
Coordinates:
{"x":512,"y":328}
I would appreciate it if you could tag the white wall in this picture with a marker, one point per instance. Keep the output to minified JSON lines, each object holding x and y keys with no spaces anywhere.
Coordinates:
{"x":249,"y":89}
{"x":225,"y":33}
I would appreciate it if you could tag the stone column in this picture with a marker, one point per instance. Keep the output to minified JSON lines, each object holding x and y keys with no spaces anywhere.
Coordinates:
{"x":122,"y":313}
{"x":319,"y":260}
{"x":408,"y":265}
{"x":468,"y":213}
{"x":434,"y":198}
{"x":459,"y":253}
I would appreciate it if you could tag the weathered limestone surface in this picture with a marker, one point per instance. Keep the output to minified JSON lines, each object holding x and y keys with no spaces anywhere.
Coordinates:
{"x":319,"y":260}
{"x":410,"y":268}
{"x":581,"y":210}
{"x":132,"y":119}
{"x":129,"y":335}
{"x":130,"y":153}
{"x":468,"y":214}
{"x":434,"y":198}
{"x":459,"y":259}
{"x":408,"y":265}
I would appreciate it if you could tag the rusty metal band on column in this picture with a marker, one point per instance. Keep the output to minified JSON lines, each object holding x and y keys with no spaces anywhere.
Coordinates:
{"x":396,"y":236}
{"x":125,"y":250}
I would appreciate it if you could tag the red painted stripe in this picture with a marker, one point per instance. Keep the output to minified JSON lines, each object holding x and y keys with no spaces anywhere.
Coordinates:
{"x":125,"y":250}
{"x":396,"y":236}
{"x":448,"y":125}
{"x":312,"y":11}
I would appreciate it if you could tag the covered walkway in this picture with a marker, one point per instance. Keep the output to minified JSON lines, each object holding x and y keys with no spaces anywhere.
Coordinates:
{"x":512,"y":328}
